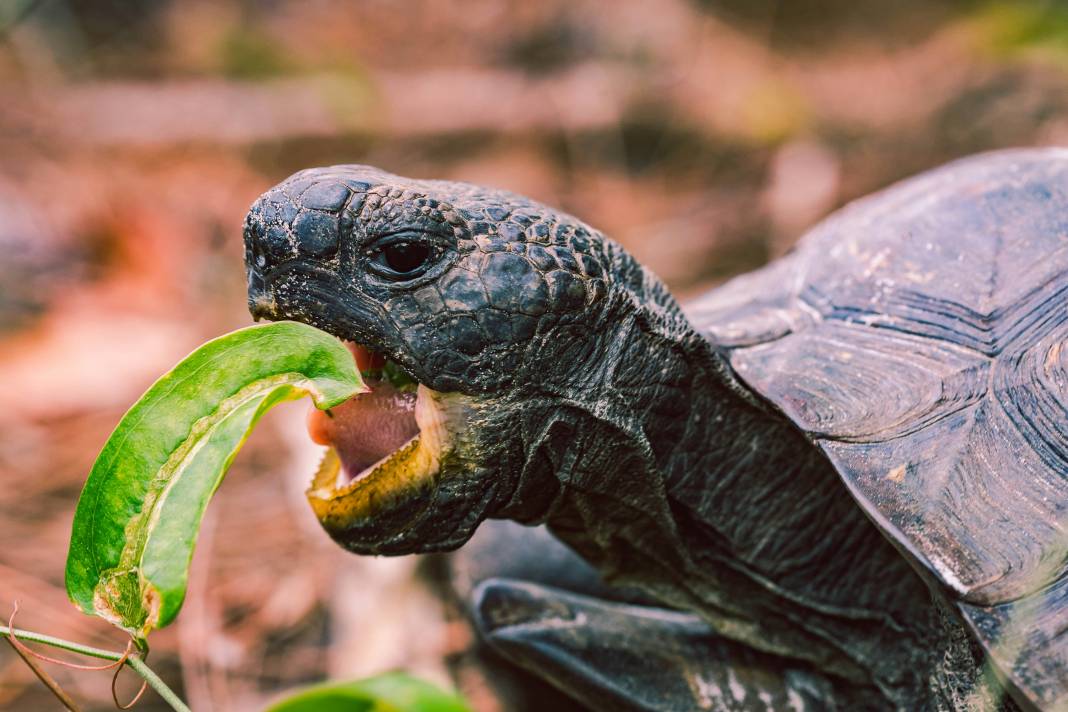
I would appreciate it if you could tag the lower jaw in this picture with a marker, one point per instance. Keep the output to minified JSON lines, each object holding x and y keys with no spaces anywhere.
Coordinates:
{"x":395,"y":490}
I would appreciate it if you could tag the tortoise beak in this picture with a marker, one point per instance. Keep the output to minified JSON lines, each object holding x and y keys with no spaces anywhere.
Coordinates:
{"x":260,"y":304}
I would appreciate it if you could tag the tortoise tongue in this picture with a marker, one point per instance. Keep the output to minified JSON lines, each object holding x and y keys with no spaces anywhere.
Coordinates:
{"x":369,"y":426}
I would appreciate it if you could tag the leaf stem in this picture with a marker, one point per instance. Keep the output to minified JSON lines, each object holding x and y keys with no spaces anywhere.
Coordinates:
{"x":139,"y":666}
{"x":157,"y":684}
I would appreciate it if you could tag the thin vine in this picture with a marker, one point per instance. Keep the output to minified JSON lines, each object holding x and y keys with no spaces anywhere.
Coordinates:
{"x":17,"y":637}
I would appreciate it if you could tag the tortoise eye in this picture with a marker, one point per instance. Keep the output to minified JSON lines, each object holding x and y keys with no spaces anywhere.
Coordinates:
{"x":406,"y":257}
{"x":403,"y":256}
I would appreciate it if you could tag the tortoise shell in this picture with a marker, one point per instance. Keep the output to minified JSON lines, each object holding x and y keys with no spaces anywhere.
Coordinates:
{"x":920,"y":338}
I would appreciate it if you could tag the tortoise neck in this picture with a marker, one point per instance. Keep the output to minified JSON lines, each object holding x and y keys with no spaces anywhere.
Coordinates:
{"x":713,"y":501}
{"x":777,"y":541}
{"x":745,"y":483}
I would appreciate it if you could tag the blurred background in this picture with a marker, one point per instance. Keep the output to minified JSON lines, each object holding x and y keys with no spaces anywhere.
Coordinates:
{"x":705,"y":135}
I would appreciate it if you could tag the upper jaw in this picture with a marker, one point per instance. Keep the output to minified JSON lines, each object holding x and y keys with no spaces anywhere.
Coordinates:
{"x":321,"y":298}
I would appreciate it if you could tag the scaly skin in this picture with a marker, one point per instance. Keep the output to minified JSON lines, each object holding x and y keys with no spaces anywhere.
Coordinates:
{"x":594,"y":406}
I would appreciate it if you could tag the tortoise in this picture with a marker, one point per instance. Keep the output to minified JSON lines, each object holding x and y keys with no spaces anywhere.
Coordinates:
{"x":839,"y":481}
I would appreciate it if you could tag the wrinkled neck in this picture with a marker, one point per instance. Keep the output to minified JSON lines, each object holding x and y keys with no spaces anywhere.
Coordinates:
{"x":745,"y":482}
{"x":696,"y":490}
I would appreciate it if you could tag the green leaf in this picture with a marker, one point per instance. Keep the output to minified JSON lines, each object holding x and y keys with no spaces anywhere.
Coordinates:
{"x":140,"y":510}
{"x":392,"y":692}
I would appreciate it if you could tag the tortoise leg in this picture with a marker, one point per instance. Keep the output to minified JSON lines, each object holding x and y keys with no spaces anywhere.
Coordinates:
{"x":504,"y":549}
{"x":619,"y":656}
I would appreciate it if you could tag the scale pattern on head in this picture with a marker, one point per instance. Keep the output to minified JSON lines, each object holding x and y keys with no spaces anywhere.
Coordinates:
{"x":462,"y":285}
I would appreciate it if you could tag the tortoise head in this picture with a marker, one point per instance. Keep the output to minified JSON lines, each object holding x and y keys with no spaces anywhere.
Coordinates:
{"x":504,"y":312}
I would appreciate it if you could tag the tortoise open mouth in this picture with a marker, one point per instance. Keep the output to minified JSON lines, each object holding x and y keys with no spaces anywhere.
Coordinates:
{"x":370,"y":426}
{"x":385,"y":446}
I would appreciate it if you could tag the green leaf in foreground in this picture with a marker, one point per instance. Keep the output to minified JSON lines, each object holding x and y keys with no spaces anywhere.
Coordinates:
{"x":140,"y":510}
{"x":392,"y":692}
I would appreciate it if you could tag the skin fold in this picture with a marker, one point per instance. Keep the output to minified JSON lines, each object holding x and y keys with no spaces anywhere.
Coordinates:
{"x":576,"y":394}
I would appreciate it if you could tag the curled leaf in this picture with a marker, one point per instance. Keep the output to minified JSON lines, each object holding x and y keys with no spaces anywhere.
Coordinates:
{"x":140,"y":510}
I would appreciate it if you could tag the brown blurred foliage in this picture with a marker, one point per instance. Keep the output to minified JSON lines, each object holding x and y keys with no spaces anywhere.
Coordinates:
{"x":705,"y":135}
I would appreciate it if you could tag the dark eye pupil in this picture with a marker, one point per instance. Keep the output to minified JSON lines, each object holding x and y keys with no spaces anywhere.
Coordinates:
{"x":404,"y":257}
